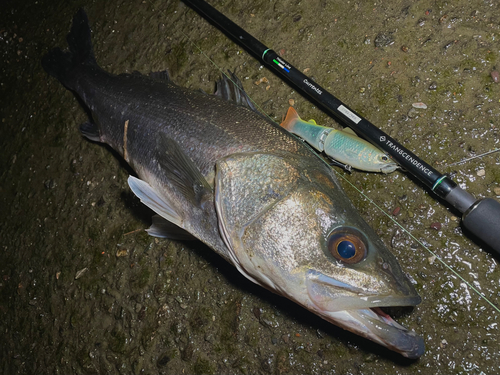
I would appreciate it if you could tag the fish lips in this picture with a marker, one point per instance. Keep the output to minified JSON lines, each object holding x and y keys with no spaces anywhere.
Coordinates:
{"x":354,"y":310}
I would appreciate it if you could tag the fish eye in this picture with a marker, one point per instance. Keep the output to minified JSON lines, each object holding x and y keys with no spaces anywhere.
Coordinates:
{"x":385,"y":158}
{"x":347,"y":245}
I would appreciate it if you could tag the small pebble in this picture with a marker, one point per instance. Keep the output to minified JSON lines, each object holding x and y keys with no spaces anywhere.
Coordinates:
{"x":432,"y":259}
{"x":443,"y":19}
{"x":80,"y":273}
{"x":263,"y":79}
{"x":291,"y":102}
{"x":396,"y":211}
{"x":122,"y":253}
{"x":436,"y":226}
{"x":495,"y":76}
{"x":443,"y":344}
{"x":412,"y":113}
{"x":419,"y":105}
{"x":481,"y":172}
{"x":497,"y":190}
{"x":384,"y":39}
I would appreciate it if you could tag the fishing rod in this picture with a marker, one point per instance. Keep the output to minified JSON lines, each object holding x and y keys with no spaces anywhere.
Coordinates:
{"x":481,"y":217}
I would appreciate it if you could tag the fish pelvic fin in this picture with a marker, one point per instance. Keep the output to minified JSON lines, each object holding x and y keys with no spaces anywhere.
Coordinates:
{"x":61,"y":64}
{"x":165,"y":229}
{"x":291,"y":117}
{"x":153,"y":200}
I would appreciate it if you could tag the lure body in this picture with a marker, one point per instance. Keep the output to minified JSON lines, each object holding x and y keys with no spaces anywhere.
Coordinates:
{"x":341,"y":145}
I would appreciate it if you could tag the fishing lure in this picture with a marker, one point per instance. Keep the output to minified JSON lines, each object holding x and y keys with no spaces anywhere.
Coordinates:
{"x":341,"y":145}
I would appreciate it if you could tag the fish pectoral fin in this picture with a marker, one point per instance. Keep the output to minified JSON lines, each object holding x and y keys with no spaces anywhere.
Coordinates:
{"x":165,"y":229}
{"x":181,"y":172}
{"x":184,"y":178}
{"x":291,"y":117}
{"x":150,"y":198}
{"x":348,"y":130}
{"x":91,"y":131}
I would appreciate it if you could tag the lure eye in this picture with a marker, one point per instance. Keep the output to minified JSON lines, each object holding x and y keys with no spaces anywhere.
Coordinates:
{"x":347,"y":246}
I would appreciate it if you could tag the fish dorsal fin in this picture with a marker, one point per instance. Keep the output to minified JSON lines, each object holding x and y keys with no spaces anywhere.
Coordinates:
{"x":348,"y":130}
{"x":231,"y":89}
{"x":180,"y":170}
{"x":291,"y":117}
{"x":162,"y":76}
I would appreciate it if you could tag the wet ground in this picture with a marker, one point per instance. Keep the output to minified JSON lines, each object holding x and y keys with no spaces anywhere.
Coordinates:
{"x":84,"y":290}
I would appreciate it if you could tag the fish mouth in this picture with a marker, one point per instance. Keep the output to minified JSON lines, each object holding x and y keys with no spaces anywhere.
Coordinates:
{"x":360,"y":312}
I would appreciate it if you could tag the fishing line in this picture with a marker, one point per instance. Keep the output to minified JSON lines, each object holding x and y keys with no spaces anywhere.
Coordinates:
{"x":420,"y":242}
{"x":474,"y":157}
{"x":370,"y":200}
{"x":227,"y":76}
{"x":480,"y":294}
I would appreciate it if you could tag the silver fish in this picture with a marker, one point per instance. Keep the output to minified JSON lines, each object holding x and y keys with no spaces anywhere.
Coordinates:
{"x":260,"y":198}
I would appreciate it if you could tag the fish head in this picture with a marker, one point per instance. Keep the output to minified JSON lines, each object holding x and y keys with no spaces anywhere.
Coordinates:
{"x":387,"y":165}
{"x":371,"y":159}
{"x":290,"y":228}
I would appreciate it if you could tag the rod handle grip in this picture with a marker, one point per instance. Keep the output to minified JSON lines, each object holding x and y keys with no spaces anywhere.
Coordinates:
{"x":483,"y":220}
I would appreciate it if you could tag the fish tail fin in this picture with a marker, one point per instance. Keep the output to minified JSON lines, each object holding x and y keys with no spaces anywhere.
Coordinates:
{"x":291,"y":117}
{"x":61,"y":64}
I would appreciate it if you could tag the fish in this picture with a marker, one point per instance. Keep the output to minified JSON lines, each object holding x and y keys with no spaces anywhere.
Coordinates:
{"x":216,"y":171}
{"x":341,"y":145}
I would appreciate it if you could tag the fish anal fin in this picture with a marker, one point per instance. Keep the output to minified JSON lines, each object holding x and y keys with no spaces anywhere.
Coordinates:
{"x":291,"y":117}
{"x":91,"y":131}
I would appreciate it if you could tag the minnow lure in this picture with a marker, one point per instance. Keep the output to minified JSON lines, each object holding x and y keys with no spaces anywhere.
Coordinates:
{"x":341,"y":145}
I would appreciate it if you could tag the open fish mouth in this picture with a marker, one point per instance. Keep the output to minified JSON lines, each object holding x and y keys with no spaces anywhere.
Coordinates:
{"x":359,"y":312}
